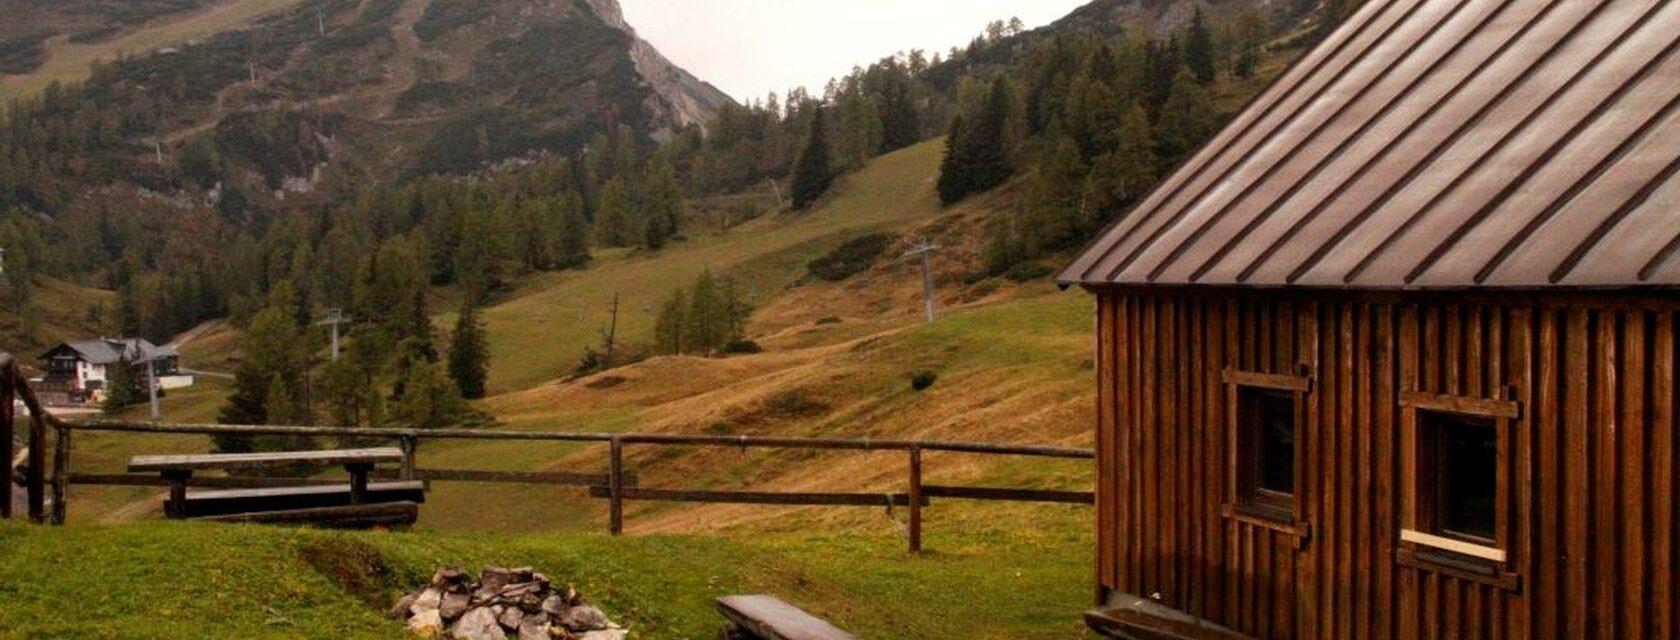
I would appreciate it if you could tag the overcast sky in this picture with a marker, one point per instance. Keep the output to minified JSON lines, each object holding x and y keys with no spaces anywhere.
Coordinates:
{"x":749,"y":48}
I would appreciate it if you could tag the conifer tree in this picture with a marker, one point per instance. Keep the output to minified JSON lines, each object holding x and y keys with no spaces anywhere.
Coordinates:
{"x":469,"y":354}
{"x":953,"y":175}
{"x":276,"y":352}
{"x":1121,"y":177}
{"x":1053,"y":196}
{"x":812,"y":173}
{"x":671,"y":325}
{"x":989,"y":144}
{"x":615,"y":225}
{"x":1198,"y":49}
{"x":1186,"y":120}
{"x":124,"y":386}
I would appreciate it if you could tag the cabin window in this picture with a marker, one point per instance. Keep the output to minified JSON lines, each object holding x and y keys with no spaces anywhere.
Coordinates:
{"x":1460,"y":476}
{"x":1265,"y":444}
{"x":1457,"y":469}
{"x":1266,"y":440}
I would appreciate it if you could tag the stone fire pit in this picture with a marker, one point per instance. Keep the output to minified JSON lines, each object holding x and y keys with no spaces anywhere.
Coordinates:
{"x":501,"y":604}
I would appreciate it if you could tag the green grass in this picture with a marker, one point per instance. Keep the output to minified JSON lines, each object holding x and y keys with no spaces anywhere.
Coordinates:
{"x":539,"y":334}
{"x":171,"y":580}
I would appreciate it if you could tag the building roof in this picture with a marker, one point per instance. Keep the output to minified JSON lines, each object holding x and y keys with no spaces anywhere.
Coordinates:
{"x":108,"y":351}
{"x":1435,"y":144}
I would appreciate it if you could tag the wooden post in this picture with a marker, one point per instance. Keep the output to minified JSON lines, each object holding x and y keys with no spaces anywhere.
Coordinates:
{"x":358,"y":482}
{"x":409,"y":445}
{"x":36,"y":477}
{"x":615,"y":486}
{"x":61,"y":476}
{"x":177,"y":507}
{"x":8,"y":394}
{"x":915,"y":498}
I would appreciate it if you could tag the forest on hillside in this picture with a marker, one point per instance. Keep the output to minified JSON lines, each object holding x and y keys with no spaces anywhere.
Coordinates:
{"x":1086,"y":118}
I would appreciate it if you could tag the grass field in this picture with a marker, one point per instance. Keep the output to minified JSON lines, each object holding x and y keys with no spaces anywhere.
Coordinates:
{"x":69,"y":62}
{"x":168,"y":580}
{"x":541,"y":332}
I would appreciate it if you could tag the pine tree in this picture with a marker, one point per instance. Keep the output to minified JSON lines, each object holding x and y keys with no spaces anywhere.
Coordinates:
{"x":1198,"y":49}
{"x":989,"y":145}
{"x":124,"y":386}
{"x":953,"y":175}
{"x":469,"y":354}
{"x":812,"y":174}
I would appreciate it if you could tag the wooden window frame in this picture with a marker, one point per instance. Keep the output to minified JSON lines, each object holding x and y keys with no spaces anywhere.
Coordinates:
{"x":1423,"y":548}
{"x":1269,"y":512}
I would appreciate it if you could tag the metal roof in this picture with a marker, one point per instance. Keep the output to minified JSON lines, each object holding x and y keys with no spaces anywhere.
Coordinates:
{"x":1435,"y":144}
{"x":107,"y":351}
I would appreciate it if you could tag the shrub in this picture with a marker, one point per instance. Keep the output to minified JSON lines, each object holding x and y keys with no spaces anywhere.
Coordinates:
{"x":828,"y":320}
{"x":921,"y":380}
{"x":851,"y":258}
{"x":1028,"y":271}
{"x":742,"y":347}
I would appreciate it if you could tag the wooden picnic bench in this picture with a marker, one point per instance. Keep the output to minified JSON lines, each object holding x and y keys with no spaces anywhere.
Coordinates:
{"x":285,"y":504}
{"x":769,"y":618}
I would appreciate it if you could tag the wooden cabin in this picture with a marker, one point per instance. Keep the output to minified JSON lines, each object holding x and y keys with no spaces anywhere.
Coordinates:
{"x":1393,"y":356}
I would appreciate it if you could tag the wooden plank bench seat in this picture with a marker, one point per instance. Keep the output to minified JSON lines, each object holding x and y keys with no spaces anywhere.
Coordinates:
{"x":361,"y":516}
{"x":207,"y":504}
{"x":179,"y":469}
{"x":769,"y":618}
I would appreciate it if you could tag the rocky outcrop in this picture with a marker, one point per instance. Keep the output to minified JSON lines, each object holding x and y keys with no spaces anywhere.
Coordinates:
{"x":682,"y":97}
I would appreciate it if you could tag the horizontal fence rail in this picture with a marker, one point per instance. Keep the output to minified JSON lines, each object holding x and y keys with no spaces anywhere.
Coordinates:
{"x":616,"y":485}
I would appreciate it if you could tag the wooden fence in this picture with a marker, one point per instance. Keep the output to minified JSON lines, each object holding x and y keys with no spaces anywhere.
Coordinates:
{"x":617,"y":485}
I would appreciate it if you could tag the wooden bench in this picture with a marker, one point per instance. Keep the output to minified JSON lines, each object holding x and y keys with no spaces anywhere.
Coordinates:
{"x":209,"y":504}
{"x":769,"y":618}
{"x":178,"y":471}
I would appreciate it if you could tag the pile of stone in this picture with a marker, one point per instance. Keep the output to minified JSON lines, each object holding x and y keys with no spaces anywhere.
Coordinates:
{"x":501,"y":604}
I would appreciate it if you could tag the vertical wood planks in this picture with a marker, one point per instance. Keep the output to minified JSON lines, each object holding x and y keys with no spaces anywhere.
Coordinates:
{"x":1591,"y":484}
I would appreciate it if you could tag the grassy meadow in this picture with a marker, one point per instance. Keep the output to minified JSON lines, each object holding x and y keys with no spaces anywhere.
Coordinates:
{"x":169,"y":580}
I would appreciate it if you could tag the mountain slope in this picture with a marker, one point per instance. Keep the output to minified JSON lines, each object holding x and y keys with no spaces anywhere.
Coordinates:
{"x":314,"y":97}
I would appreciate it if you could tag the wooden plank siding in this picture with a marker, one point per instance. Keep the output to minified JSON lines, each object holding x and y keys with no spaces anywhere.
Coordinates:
{"x":1591,"y":525}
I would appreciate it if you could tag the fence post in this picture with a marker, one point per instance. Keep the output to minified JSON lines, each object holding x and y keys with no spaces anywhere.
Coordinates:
{"x":36,"y":478}
{"x":915,"y":498}
{"x":615,"y":486}
{"x":409,"y":445}
{"x":61,"y":476}
{"x":8,"y":395}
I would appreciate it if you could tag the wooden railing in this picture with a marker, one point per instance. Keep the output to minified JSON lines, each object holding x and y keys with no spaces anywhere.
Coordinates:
{"x":617,"y":485}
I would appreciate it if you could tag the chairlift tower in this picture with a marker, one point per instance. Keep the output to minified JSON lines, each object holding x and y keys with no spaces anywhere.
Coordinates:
{"x":925,"y":251}
{"x":333,"y":318}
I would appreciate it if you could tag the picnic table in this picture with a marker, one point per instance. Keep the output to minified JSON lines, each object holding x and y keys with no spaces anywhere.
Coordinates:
{"x":178,"y":470}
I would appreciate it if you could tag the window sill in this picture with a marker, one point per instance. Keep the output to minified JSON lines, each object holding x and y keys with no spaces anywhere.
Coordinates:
{"x":1270,"y":519}
{"x":1457,"y":566}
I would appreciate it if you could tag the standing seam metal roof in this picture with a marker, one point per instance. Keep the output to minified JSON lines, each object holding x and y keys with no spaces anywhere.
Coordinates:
{"x":1435,"y":144}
